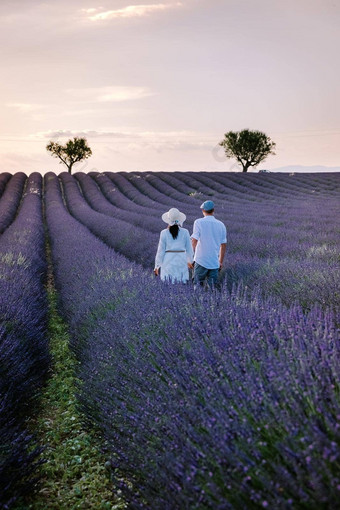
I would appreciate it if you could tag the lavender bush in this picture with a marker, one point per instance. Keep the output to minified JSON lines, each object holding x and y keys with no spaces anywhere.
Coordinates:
{"x":206,"y":400}
{"x":10,"y":199}
{"x":24,"y":357}
{"x":4,"y":178}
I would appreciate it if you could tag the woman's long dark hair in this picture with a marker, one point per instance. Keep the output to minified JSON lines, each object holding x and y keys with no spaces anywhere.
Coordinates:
{"x":174,"y":229}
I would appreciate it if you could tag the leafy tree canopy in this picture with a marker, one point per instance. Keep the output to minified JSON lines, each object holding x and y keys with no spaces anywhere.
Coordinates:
{"x":73,"y":151}
{"x":248,"y":147}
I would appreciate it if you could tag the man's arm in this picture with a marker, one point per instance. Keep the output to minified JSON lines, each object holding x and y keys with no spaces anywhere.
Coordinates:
{"x":194,"y":243}
{"x":223,"y":248}
{"x":195,"y":235}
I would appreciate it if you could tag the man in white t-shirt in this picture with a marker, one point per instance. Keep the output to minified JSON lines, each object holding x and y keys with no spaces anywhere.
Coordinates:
{"x":209,"y":242}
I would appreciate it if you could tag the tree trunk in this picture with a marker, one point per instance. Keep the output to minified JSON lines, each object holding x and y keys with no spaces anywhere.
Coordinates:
{"x":69,"y":168}
{"x":245,"y":166}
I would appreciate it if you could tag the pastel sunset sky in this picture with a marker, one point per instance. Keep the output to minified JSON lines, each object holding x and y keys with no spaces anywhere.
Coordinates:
{"x":155,"y":85}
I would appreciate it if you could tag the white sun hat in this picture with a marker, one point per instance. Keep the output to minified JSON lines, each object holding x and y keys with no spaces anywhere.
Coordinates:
{"x":174,"y":217}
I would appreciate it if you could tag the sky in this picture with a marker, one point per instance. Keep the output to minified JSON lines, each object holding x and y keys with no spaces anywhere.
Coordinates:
{"x":154,"y":86}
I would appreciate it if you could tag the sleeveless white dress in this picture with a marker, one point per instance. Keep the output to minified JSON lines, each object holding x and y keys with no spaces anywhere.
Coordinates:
{"x":173,"y":255}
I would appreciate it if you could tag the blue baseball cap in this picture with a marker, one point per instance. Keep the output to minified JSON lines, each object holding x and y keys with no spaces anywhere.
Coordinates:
{"x":208,"y":205}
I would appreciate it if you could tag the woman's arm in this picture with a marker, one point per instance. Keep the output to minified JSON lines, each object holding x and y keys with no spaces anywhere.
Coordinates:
{"x":160,"y":253}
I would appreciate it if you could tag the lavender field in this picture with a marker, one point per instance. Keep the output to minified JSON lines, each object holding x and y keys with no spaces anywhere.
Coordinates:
{"x":225,"y":399}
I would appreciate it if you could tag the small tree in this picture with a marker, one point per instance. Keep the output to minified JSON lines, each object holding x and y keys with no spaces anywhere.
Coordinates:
{"x":73,"y":151}
{"x":249,"y":148}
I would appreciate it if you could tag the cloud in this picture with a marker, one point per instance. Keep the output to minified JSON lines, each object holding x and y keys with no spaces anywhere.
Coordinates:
{"x":90,"y":11}
{"x":24,"y":107}
{"x":131,"y":11}
{"x":180,"y":141}
{"x":110,"y":94}
{"x":64,"y":133}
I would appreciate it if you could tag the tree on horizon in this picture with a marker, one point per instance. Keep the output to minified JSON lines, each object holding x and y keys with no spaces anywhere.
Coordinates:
{"x":72,"y":152}
{"x":248,"y":147}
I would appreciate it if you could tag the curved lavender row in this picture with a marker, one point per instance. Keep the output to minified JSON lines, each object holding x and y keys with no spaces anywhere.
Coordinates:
{"x":140,"y":182}
{"x":151,"y":214}
{"x":131,"y":241}
{"x":172,"y":179}
{"x":206,"y":186}
{"x":4,"y":178}
{"x":329,"y":182}
{"x":231,"y":190}
{"x":235,"y":186}
{"x":24,"y":357}
{"x":10,"y":199}
{"x":275,"y":184}
{"x":209,"y":184}
{"x":282,"y":183}
{"x":197,"y":187}
{"x":135,"y":187}
{"x":153,"y":210}
{"x":259,"y":185}
{"x":155,"y":188}
{"x":227,"y":404}
{"x":125,"y":186}
{"x":116,"y":197}
{"x":99,"y":203}
{"x":153,"y":184}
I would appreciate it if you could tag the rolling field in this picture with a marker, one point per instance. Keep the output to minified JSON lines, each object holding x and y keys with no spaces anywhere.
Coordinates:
{"x":202,"y":400}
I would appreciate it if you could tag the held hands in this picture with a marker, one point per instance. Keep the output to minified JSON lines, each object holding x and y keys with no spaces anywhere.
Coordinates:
{"x":190,"y":265}
{"x":156,"y":271}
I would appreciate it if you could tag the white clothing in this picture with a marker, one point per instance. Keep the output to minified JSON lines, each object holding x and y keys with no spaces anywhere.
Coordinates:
{"x":210,"y":234}
{"x":173,"y":255}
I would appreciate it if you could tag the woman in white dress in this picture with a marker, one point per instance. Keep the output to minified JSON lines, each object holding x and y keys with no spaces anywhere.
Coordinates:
{"x":174,"y":255}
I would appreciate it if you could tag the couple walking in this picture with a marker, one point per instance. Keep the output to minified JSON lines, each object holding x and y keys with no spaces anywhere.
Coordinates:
{"x":204,"y":251}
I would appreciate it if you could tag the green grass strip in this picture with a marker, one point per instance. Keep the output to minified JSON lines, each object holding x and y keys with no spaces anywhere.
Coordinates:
{"x":73,"y":475}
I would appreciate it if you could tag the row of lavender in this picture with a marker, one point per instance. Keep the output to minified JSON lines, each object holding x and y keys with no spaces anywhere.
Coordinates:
{"x":205,"y":400}
{"x":290,"y":249}
{"x":11,"y":190}
{"x":24,"y":357}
